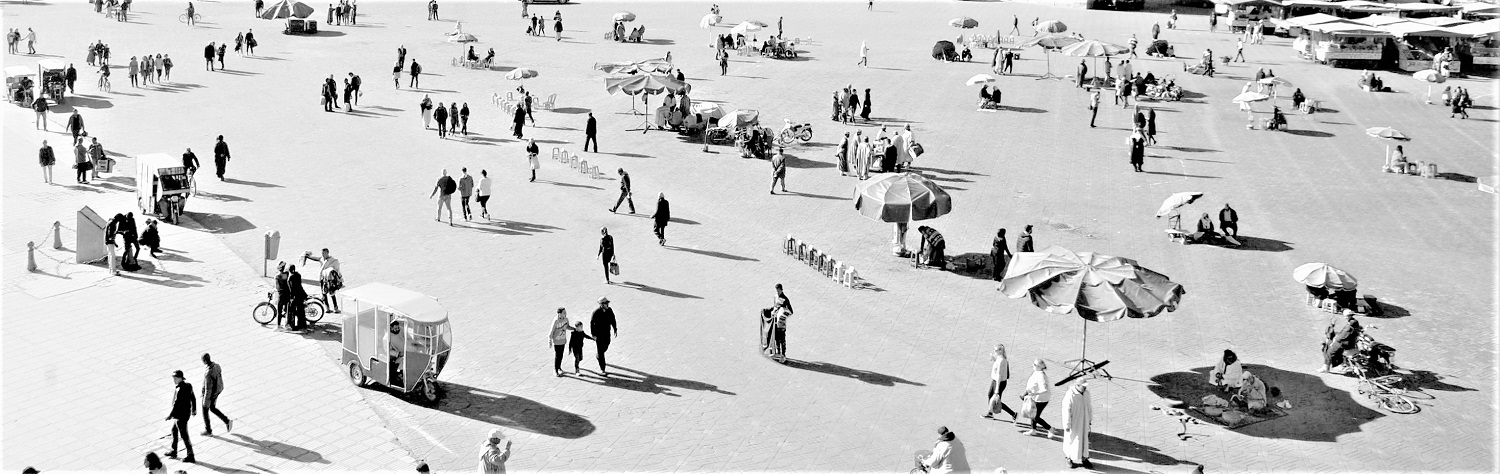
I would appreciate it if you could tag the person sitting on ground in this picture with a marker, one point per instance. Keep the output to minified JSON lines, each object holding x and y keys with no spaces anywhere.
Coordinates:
{"x":1205,"y":231}
{"x":965,"y":56}
{"x":1252,"y":392}
{"x":932,"y":247}
{"x":1298,"y":99}
{"x":1278,"y":120}
{"x":1397,"y":162}
{"x":1150,"y":79}
{"x":151,"y":239}
{"x":1227,"y":372}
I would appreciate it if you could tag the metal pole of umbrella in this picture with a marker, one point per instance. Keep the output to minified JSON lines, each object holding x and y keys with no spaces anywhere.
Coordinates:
{"x":1082,"y":366}
{"x":1049,"y":75}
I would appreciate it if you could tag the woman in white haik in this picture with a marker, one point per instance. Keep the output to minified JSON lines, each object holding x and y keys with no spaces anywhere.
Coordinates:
{"x":1079,"y":412}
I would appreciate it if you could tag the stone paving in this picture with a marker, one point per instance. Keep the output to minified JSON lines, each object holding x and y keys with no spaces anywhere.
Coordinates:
{"x":874,"y":370}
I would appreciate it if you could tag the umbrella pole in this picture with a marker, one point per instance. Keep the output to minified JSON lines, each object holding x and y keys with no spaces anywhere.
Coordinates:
{"x":1429,"y":93}
{"x":1082,"y":366}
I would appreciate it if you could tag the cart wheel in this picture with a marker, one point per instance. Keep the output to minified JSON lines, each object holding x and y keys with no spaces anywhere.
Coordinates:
{"x":356,"y":374}
{"x":263,"y":313}
{"x":429,"y":391}
{"x":314,"y":311}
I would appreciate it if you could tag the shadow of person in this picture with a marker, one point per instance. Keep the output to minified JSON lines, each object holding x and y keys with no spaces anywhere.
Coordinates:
{"x":646,"y":382}
{"x":512,"y":411}
{"x":275,"y":448}
{"x":1104,"y":447}
{"x":1320,"y":413}
{"x":857,"y":374}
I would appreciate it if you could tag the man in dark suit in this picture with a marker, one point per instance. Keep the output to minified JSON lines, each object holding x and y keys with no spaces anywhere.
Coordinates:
{"x":591,"y":134}
{"x":600,"y":325}
{"x":183,"y":407}
{"x":208,"y":55}
{"x":624,"y":193}
{"x":221,"y":157}
{"x":297,"y":319}
{"x":283,"y":294}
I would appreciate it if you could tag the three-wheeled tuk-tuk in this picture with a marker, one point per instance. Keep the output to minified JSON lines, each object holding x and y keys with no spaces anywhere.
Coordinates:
{"x":162,"y":186}
{"x":395,"y":337}
{"x":20,"y":82}
{"x":52,"y":74}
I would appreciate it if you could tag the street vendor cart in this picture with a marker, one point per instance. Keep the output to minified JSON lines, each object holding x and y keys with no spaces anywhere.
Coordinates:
{"x":162,"y":186}
{"x":396,"y":338}
{"x":20,"y":84}
{"x":297,"y":26}
{"x":52,"y":74}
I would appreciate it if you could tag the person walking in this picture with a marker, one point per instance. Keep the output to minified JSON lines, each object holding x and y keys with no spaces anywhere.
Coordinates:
{"x":213,"y":385}
{"x":999,"y":376}
{"x":221,"y":157}
{"x":441,"y":115}
{"x":40,"y":107}
{"x":445,"y":186}
{"x":531,"y":158}
{"x":517,"y":121}
{"x":558,"y":337}
{"x":426,"y":109}
{"x":660,"y":218}
{"x":1137,"y":150}
{"x":81,"y":161}
{"x":557,"y":27}
{"x":864,"y":55}
{"x":71,"y":76}
{"x":208,"y":59}
{"x":75,"y":124}
{"x":591,"y":134}
{"x":1239,"y":53}
{"x":465,"y":189}
{"x":96,"y":157}
{"x":183,"y":408}
{"x":999,"y":255}
{"x":606,"y":251}
{"x":133,"y":69}
{"x":452,"y":118}
{"x":330,"y":277}
{"x":483,"y":194}
{"x":1151,"y":125}
{"x":250,"y":45}
{"x":492,"y":455}
{"x":239,"y":44}
{"x":625,"y":194}
{"x":778,"y":170}
{"x":1024,"y":243}
{"x":354,"y":83}
{"x":1038,"y":392}
{"x":30,"y":41}
{"x":1093,"y":107}
{"x":416,"y":73}
{"x":600,"y":325}
{"x":1079,"y":412}
{"x":463,"y":118}
{"x":48,"y":159}
{"x":575,"y":337}
{"x":1015,"y":25}
{"x":166,"y":66}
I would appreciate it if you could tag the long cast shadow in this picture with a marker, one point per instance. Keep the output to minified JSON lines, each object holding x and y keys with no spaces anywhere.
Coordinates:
{"x":713,"y":254}
{"x":512,"y":411}
{"x":648,"y":383}
{"x":1104,"y":447}
{"x":1321,"y":413}
{"x":217,"y":223}
{"x":1184,"y":175}
{"x":660,"y":291}
{"x":276,"y":449}
{"x":251,"y":183}
{"x":865,"y":376}
{"x":1261,"y":244}
{"x":569,"y":185}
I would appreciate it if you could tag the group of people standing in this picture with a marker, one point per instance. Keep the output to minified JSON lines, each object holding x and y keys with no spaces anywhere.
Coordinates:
{"x":847,"y":105}
{"x":568,"y":336}
{"x":343,"y":12}
{"x":351,"y":93}
{"x":538,"y":25}
{"x":149,"y":69}
{"x":451,"y":119}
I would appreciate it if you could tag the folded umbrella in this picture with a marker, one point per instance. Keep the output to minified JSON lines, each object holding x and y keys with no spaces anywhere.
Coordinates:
{"x":963,"y":22}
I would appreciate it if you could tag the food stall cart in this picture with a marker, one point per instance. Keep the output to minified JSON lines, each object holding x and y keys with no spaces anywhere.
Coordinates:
{"x":1480,"y":49}
{"x":20,"y":85}
{"x":162,"y":186}
{"x":395,"y":338}
{"x":52,"y":77}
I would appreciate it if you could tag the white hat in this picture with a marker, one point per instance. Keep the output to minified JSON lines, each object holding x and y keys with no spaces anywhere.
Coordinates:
{"x":495,"y":434}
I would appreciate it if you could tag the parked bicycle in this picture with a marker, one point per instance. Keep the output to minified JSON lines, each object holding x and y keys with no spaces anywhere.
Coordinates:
{"x":183,"y":18}
{"x":265,"y":313}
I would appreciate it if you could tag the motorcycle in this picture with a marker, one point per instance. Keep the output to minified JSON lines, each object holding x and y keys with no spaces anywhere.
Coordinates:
{"x":791,"y":132}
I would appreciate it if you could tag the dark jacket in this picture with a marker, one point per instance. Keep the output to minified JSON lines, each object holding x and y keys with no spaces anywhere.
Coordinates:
{"x":624,"y":182}
{"x":575,"y":339}
{"x":221,"y":150}
{"x":208,"y":51}
{"x":663,"y":212}
{"x":440,"y":115}
{"x":602,"y":322}
{"x":592,"y":128}
{"x":294,"y":283}
{"x":283,"y":289}
{"x":71,"y":75}
{"x":183,"y":403}
{"x":416,"y":69}
{"x":1228,"y":215}
{"x":213,"y":382}
{"x":607,"y":247}
{"x":189,"y":160}
{"x":46,"y":156}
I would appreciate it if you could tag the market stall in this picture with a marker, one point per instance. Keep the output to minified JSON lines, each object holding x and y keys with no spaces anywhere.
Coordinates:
{"x":1417,"y":44}
{"x":1341,"y":44}
{"x":1480,"y":49}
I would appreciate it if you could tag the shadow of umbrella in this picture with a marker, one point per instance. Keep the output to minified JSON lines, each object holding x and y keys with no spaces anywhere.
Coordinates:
{"x":513,"y":412}
{"x":1320,"y":413}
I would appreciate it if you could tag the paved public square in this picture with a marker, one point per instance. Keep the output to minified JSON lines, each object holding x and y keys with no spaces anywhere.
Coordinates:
{"x":874,"y":370}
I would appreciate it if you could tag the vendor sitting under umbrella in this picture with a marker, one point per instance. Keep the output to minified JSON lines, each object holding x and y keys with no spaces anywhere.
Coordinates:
{"x":931,"y":251}
{"x":1252,"y":392}
{"x":988,"y":99}
{"x":1227,"y":372}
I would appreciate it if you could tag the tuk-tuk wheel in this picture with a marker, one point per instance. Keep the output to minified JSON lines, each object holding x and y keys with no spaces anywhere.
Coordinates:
{"x":429,"y":391}
{"x":356,"y":374}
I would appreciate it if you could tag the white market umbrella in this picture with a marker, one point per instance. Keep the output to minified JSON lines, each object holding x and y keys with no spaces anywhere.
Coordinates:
{"x":462,"y":38}
{"x":980,"y":79}
{"x":521,"y":73}
{"x":709,"y":20}
{"x":1176,"y":201}
{"x":624,"y":16}
{"x":1250,"y":97}
{"x":1431,"y":77}
{"x":746,"y":27}
{"x":1386,"y":133}
{"x":1322,"y":275}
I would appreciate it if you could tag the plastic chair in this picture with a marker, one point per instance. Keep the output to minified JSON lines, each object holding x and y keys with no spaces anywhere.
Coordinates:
{"x":851,"y":277}
{"x":802,"y":251}
{"x":834,"y":267}
{"x":813,"y":256}
{"x":556,"y":153}
{"x":573,"y":162}
{"x":495,"y":99}
{"x":789,"y":246}
{"x":583,"y":166}
{"x":565,"y":156}
{"x":595,"y":173}
{"x":548,"y":104}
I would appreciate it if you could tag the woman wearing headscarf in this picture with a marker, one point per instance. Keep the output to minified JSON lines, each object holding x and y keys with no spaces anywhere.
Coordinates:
{"x":1038,"y":391}
{"x":1137,"y":150}
{"x":1253,"y":390}
{"x":999,"y":376}
{"x":1227,"y":372}
{"x":948,"y":455}
{"x":999,"y":255}
{"x":865,"y":113}
{"x":1080,"y":414}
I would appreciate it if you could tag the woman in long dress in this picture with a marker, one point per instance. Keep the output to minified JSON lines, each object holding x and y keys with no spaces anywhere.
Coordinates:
{"x":1080,"y":414}
{"x":999,"y":255}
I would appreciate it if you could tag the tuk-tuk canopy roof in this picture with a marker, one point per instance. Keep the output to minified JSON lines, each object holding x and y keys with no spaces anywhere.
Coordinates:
{"x":52,"y":64}
{"x":18,"y":71}
{"x":154,"y":161}
{"x":417,"y":306}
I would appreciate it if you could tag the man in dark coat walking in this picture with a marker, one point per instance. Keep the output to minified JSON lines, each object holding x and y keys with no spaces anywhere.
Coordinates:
{"x":600,"y":325}
{"x":591,"y":134}
{"x":518,"y":121}
{"x":221,"y":157}
{"x":71,"y":76}
{"x":183,"y":407}
{"x":75,"y":124}
{"x":208,"y":55}
{"x":624,"y":192}
{"x":416,"y":71}
{"x":662,"y":216}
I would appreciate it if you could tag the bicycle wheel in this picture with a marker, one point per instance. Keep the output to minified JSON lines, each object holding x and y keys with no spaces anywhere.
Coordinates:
{"x":1398,"y":404}
{"x":263,"y":313}
{"x":314,"y":311}
{"x":182,"y":18}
